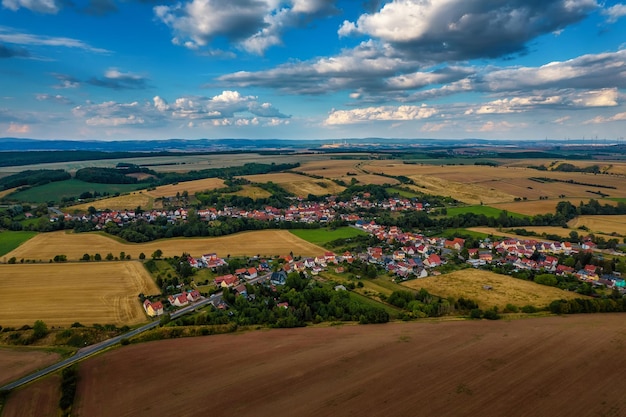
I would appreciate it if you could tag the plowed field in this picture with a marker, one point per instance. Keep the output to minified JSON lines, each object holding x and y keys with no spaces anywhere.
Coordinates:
{"x":555,"y":366}
{"x":17,"y":363}
{"x":41,"y":399}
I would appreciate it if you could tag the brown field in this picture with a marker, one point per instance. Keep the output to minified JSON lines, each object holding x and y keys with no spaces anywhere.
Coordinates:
{"x":601,"y":224}
{"x":140,"y":175}
{"x":191,"y":187}
{"x":46,"y":246}
{"x":61,"y":294}
{"x":298,"y":185}
{"x":17,"y":363}
{"x":469,"y":283}
{"x":606,"y":166}
{"x":498,"y":184}
{"x":550,"y":366}
{"x":332,"y":168}
{"x":253,"y":192}
{"x":41,"y":399}
{"x":123,"y":202}
{"x":5,"y":193}
{"x":535,"y":207}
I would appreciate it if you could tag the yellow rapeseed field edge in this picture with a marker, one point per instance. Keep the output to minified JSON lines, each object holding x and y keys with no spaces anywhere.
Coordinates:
{"x":61,"y":294}
{"x":470,"y":283}
{"x":46,"y":246}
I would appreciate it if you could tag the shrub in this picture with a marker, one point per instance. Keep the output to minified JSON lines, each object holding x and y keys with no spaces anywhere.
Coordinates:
{"x":529,"y":309}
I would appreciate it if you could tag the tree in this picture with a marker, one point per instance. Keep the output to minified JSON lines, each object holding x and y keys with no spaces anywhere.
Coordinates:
{"x":40,"y":329}
{"x":122,"y":255}
{"x":142,"y":256}
{"x":109,"y":256}
{"x":97,"y":257}
{"x":157,"y":254}
{"x":86,"y":257}
{"x":91,"y":210}
{"x":165,"y":318}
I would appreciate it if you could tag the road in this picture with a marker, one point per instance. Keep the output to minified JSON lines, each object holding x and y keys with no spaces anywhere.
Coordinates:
{"x":99,"y":347}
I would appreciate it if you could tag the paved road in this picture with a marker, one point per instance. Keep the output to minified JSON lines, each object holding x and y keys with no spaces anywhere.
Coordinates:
{"x":99,"y":347}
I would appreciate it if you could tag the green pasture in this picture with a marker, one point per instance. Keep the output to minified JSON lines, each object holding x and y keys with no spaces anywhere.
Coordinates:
{"x":485,"y":210}
{"x":10,"y":240}
{"x":56,"y":191}
{"x":323,"y":236}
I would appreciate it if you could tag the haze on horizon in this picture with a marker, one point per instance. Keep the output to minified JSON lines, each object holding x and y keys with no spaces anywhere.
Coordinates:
{"x":327,"y":69}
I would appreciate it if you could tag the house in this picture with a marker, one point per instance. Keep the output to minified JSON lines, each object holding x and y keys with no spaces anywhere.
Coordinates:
{"x":193,"y":295}
{"x":456,"y":243}
{"x":153,"y":309}
{"x":251,"y":273}
{"x":278,"y":278}
{"x":178,"y":300}
{"x":432,"y":261}
{"x":226,"y":280}
{"x":241,"y":290}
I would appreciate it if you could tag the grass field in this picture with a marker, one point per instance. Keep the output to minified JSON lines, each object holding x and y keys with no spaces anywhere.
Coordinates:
{"x":323,"y":236}
{"x":55,"y":191}
{"x":10,"y":240}
{"x":268,"y":243}
{"x":123,"y":202}
{"x":253,"y":192}
{"x":61,"y":294}
{"x":485,"y":210}
{"x":402,"y":193}
{"x":468,"y":283}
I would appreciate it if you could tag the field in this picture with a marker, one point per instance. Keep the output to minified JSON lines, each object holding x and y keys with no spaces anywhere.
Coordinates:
{"x":539,"y":230}
{"x":485,"y":210}
{"x":469,"y":283}
{"x":46,"y":246}
{"x":323,"y":236}
{"x":17,"y":363}
{"x":473,"y":184}
{"x":4,"y":193}
{"x":547,"y":366}
{"x":123,"y":202}
{"x":299,"y":185}
{"x":253,"y":192}
{"x":345,"y":170}
{"x":55,"y":191}
{"x":10,"y":240}
{"x":601,"y":224}
{"x":41,"y":399}
{"x":531,"y":208}
{"x":191,"y":187}
{"x":61,"y":294}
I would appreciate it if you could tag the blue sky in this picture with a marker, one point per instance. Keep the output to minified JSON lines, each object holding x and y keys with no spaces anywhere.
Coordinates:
{"x":312,"y":69}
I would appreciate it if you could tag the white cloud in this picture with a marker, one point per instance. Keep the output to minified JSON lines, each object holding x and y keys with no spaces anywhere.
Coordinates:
{"x":502,"y":126}
{"x":253,"y":25}
{"x":40,"y":6}
{"x":18,"y":128}
{"x":57,"y":98}
{"x":614,"y":13}
{"x":619,"y":117}
{"x":9,"y":36}
{"x":383,"y":113}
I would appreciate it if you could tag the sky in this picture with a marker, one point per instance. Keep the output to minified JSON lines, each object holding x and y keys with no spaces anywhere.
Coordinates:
{"x":313,"y":69}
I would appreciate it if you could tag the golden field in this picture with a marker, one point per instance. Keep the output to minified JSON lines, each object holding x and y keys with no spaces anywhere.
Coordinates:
{"x":539,"y":231}
{"x":468,"y":183}
{"x":532,"y":208}
{"x":123,"y":202}
{"x":61,"y":294}
{"x":252,"y":192}
{"x":601,"y":224}
{"x":469,"y":283}
{"x":191,"y":187}
{"x":299,"y":185}
{"x":268,"y":243}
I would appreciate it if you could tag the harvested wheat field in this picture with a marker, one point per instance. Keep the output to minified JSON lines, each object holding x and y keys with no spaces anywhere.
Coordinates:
{"x":470,"y":283}
{"x":191,"y":187}
{"x":46,"y":246}
{"x":5,"y":193}
{"x":601,"y":224}
{"x":123,"y":202}
{"x":40,"y":399}
{"x":61,"y":294}
{"x":535,"y":367}
{"x":465,"y":192}
{"x":299,"y":185}
{"x":17,"y":363}
{"x":539,"y":231}
{"x":498,"y":182}
{"x":532,"y":208}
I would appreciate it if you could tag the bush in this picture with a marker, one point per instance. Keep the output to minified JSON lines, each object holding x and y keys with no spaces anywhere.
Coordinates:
{"x":510,"y":308}
{"x":529,"y":309}
{"x":476,"y":313}
{"x":492,"y":314}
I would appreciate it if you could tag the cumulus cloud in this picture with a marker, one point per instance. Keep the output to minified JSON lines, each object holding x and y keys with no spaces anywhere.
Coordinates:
{"x":39,"y":6}
{"x":619,"y":117}
{"x":65,"y":81}
{"x":614,"y":13}
{"x":117,"y":80}
{"x":254,"y":25}
{"x":113,"y":114}
{"x":466,"y":29}
{"x":382,"y":113}
{"x":16,"y":128}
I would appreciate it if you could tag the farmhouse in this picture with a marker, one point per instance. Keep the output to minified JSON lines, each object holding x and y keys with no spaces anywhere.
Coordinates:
{"x":153,"y":309}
